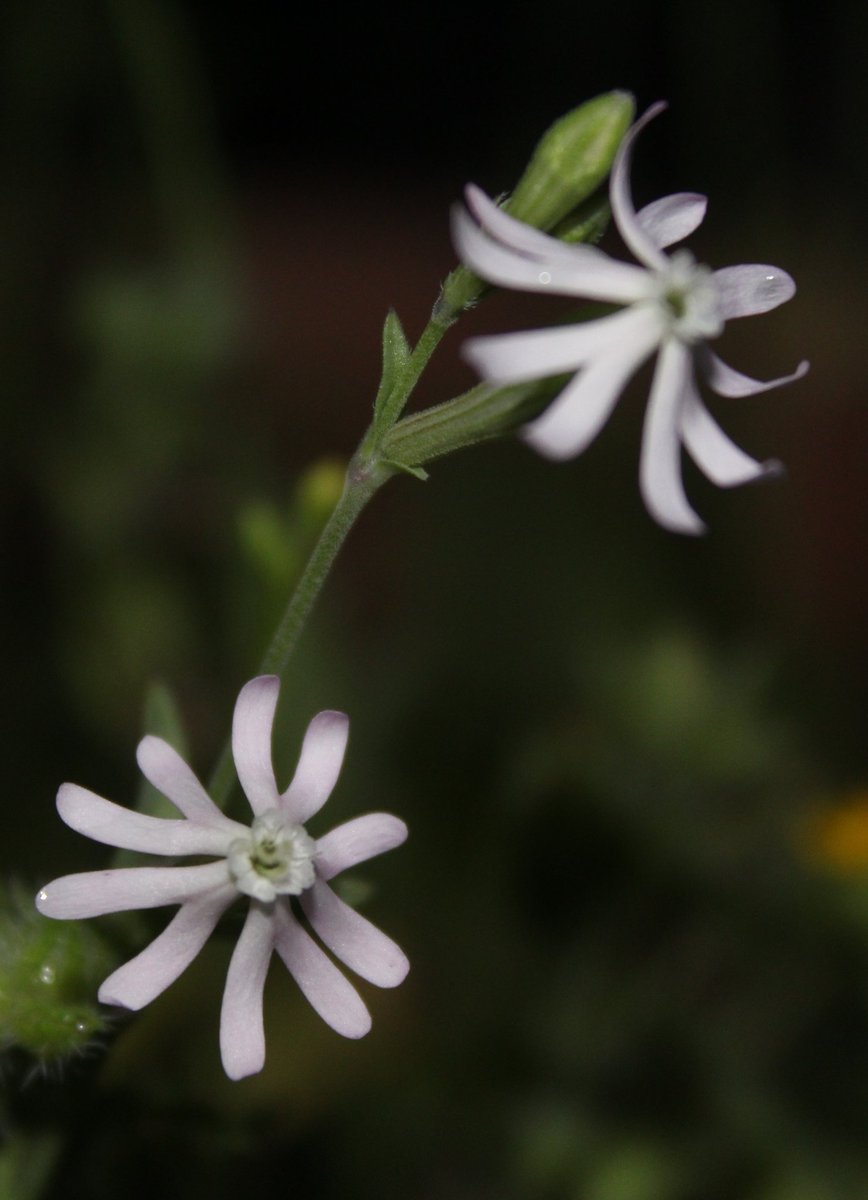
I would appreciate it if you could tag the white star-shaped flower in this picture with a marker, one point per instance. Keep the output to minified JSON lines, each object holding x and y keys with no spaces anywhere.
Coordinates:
{"x":270,"y":861}
{"x":673,"y":306}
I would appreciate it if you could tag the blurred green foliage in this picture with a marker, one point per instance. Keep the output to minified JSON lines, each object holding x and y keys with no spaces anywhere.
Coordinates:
{"x":48,"y":972}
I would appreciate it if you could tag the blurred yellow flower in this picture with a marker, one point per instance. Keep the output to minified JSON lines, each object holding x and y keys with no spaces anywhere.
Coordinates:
{"x":837,"y":837}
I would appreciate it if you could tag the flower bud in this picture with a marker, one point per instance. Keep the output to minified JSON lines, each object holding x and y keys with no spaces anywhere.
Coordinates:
{"x":49,"y":974}
{"x":571,"y":161}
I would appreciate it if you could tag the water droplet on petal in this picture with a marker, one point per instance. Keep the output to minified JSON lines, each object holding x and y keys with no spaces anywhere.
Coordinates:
{"x":545,"y":277}
{"x":42,"y":896}
{"x":774,"y":288}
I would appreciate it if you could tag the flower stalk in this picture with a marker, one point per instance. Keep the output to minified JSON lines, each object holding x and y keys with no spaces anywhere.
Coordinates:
{"x":556,"y":189}
{"x":362,"y":481}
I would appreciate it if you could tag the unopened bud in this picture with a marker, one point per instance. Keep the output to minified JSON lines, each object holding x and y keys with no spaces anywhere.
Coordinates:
{"x":571,"y":161}
{"x":49,"y":974}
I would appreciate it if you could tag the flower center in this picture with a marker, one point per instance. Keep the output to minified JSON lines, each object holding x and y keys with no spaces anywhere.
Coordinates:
{"x":274,"y":859}
{"x":689,"y":298}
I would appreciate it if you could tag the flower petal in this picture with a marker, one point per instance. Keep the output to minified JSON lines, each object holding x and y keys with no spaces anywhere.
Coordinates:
{"x":93,"y":893}
{"x":242,"y":1034}
{"x":162,"y":765}
{"x":672,"y":218}
{"x":353,"y":939}
{"x":356,"y":841}
{"x":564,"y":270}
{"x":610,"y":279}
{"x":635,"y":236}
{"x":716,"y":455}
{"x":319,"y":764}
{"x":323,"y":985}
{"x":252,"y":723}
{"x":751,"y":288}
{"x":660,"y":461}
{"x":518,"y":357}
{"x":144,"y":977}
{"x":576,"y":416}
{"x":113,"y":825}
{"x":506,"y":229}
{"x":726,"y":381}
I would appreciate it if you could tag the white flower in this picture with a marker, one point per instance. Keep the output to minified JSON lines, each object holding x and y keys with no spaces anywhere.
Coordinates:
{"x":271,"y":861}
{"x":673,"y":305}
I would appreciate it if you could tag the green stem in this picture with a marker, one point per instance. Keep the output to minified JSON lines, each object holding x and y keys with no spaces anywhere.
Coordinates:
{"x":430,"y":339}
{"x":366,"y":473}
{"x":363,"y":480}
{"x":394,"y":403}
{"x":481,"y":413}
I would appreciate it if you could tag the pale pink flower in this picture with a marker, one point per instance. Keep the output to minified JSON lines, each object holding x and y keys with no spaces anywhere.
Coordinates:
{"x":672,"y":307}
{"x":272,"y":860}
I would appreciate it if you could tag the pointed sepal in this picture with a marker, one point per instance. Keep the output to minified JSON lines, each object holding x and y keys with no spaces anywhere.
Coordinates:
{"x":396,"y":356}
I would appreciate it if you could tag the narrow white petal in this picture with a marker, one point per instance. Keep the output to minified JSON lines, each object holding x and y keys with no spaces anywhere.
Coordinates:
{"x":163,"y":766}
{"x":93,"y":893}
{"x":319,"y":764}
{"x":752,"y":288}
{"x":356,"y":841}
{"x":252,"y":723}
{"x":726,"y":381}
{"x":517,"y":357}
{"x":716,"y":455}
{"x":660,"y":460}
{"x":565,"y":270}
{"x":576,"y":416}
{"x":242,"y":1034}
{"x":636,"y":238}
{"x":113,"y":825}
{"x":571,"y":269}
{"x":323,"y":985}
{"x":353,"y":939}
{"x":506,"y":229}
{"x":144,"y":977}
{"x":672,"y":218}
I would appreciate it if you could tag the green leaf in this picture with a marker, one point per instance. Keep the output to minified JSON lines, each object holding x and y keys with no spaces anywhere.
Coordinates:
{"x":396,"y":355}
{"x":417,"y":472}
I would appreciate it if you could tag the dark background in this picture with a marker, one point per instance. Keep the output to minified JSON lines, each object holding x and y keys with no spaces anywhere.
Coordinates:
{"x":639,"y":956}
